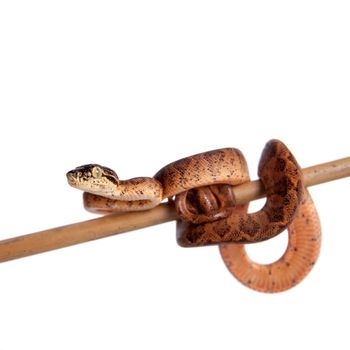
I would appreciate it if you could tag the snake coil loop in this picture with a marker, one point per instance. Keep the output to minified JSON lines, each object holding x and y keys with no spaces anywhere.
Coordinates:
{"x":281,"y":176}
{"x":202,"y":187}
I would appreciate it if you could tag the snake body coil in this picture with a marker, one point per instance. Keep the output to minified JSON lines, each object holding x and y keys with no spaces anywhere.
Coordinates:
{"x":282,"y":178}
{"x":304,"y":243}
{"x":202,"y":187}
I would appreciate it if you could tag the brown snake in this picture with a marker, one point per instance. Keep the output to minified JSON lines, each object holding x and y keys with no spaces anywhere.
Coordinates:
{"x":205,"y":203}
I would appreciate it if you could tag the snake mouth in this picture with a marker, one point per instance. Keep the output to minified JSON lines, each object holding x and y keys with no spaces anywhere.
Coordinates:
{"x":71,"y":178}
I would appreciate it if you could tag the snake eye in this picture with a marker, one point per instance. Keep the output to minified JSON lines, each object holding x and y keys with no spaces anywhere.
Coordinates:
{"x":96,"y":172}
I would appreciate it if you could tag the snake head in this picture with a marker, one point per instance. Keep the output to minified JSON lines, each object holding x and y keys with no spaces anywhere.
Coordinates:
{"x":93,"y":178}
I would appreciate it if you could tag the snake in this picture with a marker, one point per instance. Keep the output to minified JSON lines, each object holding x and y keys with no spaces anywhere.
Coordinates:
{"x":208,"y":177}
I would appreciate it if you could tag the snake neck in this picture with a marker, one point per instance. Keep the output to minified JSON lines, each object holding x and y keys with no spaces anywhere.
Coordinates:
{"x":136,"y":189}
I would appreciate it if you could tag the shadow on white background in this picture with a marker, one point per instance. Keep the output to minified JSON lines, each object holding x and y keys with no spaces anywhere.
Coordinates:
{"x":136,"y":85}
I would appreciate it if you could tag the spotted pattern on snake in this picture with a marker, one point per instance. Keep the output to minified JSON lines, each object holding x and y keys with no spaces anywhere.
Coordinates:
{"x":202,"y":186}
{"x":222,"y":166}
{"x":281,"y":177}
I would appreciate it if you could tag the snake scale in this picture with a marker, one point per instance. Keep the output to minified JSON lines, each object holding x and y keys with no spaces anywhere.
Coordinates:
{"x":202,"y":187}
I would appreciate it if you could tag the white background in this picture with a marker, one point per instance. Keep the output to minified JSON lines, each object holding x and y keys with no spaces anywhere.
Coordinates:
{"x":135,"y":85}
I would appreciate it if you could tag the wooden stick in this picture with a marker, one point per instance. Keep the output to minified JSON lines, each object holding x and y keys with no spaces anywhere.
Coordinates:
{"x":108,"y":225}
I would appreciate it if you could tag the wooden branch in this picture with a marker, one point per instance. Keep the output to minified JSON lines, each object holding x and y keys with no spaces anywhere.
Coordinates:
{"x":108,"y":225}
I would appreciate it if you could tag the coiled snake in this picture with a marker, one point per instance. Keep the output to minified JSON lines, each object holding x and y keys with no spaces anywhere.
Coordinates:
{"x":202,"y":186}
